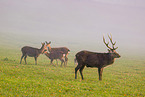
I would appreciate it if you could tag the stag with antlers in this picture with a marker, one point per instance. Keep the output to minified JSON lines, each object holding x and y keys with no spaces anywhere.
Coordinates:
{"x":94,"y":59}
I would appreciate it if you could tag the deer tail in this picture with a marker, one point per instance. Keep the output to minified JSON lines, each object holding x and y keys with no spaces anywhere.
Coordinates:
{"x":68,"y":51}
{"x":75,"y":61}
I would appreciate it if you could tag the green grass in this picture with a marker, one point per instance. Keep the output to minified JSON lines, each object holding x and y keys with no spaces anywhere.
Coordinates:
{"x":126,"y":77}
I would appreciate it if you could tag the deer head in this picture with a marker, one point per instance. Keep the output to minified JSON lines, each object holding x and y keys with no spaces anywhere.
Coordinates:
{"x":111,"y":50}
{"x":43,"y":48}
{"x":48,"y":45}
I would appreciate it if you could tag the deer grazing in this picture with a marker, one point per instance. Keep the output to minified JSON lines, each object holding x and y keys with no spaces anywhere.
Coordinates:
{"x":55,"y":55}
{"x":32,"y":52}
{"x":94,"y":59}
{"x":64,"y":50}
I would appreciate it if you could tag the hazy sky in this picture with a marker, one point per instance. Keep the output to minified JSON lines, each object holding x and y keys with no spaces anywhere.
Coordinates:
{"x":129,"y":3}
{"x":77,"y":20}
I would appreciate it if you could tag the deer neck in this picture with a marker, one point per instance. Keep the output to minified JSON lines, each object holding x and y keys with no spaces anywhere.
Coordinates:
{"x":49,"y":48}
{"x":111,"y":58}
{"x":41,"y":49}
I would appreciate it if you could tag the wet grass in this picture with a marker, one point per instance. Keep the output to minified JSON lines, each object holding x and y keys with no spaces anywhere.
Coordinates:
{"x":126,"y":77}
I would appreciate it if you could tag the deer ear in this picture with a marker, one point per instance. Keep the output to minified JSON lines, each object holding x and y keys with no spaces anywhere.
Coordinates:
{"x":49,"y":42}
{"x":42,"y":43}
{"x":46,"y":42}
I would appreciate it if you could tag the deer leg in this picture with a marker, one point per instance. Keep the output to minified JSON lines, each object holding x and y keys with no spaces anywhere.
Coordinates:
{"x":35,"y":60}
{"x":62,"y":61}
{"x":81,"y":69}
{"x":66,"y":60}
{"x":76,"y":69}
{"x":57,"y":62}
{"x":51,"y":62}
{"x":25,"y":59}
{"x":100,"y":71}
{"x":21,"y":59}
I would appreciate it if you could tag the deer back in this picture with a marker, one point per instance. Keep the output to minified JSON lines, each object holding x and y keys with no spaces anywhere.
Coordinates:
{"x":60,"y":49}
{"x":65,"y":50}
{"x":54,"y":55}
{"x":30,"y":51}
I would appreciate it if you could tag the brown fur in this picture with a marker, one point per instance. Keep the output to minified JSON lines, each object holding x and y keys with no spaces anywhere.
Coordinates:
{"x":64,"y":50}
{"x":55,"y":55}
{"x":94,"y":59}
{"x":32,"y":52}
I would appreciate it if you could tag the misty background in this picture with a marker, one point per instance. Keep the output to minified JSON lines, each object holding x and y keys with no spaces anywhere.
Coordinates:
{"x":76,"y":24}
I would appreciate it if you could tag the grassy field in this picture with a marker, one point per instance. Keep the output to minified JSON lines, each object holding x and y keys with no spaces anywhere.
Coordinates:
{"x":126,"y":77}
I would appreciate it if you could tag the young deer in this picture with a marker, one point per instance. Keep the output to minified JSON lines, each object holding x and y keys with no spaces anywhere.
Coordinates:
{"x":32,"y":52}
{"x":94,"y":59}
{"x":55,"y":55}
{"x":64,"y":50}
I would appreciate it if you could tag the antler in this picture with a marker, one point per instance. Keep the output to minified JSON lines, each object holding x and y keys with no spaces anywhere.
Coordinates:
{"x":113,"y":48}
{"x":112,"y":42}
{"x":107,"y":44}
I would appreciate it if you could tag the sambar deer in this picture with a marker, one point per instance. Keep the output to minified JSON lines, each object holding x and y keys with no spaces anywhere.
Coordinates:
{"x":55,"y":55}
{"x":32,"y":52}
{"x":65,"y":50}
{"x":95,"y":59}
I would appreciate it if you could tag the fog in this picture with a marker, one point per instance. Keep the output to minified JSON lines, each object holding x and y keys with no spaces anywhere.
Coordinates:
{"x":77,"y":24}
